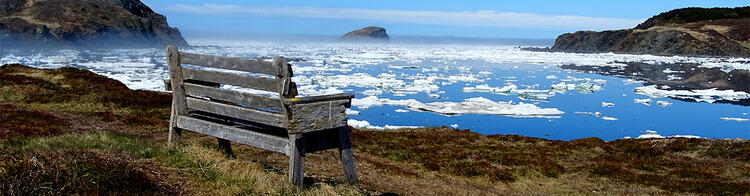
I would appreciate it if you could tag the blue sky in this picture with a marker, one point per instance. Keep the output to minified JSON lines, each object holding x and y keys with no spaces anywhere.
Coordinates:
{"x":485,"y":18}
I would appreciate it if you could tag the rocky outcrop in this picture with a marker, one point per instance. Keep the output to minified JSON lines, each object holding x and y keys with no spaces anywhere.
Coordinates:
{"x":367,"y":33}
{"x":689,"y":31}
{"x":83,"y":23}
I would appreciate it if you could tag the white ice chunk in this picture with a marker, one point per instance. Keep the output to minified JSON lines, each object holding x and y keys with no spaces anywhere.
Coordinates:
{"x":477,"y":105}
{"x":367,"y":125}
{"x":734,"y":119}
{"x":351,"y":112}
{"x":372,"y":92}
{"x":609,"y":105}
{"x":653,"y":134}
{"x":706,"y":95}
{"x":608,"y":118}
{"x":663,"y":103}
{"x":650,"y":134}
{"x":645,"y":101}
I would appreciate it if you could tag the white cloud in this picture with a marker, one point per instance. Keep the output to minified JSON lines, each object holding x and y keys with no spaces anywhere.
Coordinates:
{"x":460,"y":18}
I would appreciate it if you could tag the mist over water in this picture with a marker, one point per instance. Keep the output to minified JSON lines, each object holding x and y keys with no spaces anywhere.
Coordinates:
{"x":486,"y":85}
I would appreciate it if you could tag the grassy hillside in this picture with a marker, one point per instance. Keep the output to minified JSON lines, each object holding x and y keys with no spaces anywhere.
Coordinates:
{"x":69,"y":131}
{"x":695,"y":14}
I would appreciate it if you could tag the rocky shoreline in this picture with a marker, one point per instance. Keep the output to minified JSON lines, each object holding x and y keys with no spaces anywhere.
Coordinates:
{"x":28,"y":24}
{"x":715,"y":32}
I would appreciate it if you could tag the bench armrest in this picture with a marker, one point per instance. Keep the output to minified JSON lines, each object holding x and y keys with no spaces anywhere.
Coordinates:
{"x":320,"y":98}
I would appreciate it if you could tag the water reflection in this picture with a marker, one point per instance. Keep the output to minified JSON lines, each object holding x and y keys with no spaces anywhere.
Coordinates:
{"x":688,"y":80}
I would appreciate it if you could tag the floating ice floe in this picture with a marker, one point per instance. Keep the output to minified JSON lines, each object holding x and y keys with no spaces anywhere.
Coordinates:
{"x":351,"y":112}
{"x":367,"y":125}
{"x":401,"y":111}
{"x":477,"y":105}
{"x":372,"y":92}
{"x":609,"y":105}
{"x":551,"y":77}
{"x":608,"y":118}
{"x":455,"y":126}
{"x":526,"y":94}
{"x":645,"y":101}
{"x":631,"y":81}
{"x":670,"y":71}
{"x":663,"y":103}
{"x":706,"y":95}
{"x":653,"y":134}
{"x":734,"y":119}
{"x":597,"y":114}
{"x":584,"y":87}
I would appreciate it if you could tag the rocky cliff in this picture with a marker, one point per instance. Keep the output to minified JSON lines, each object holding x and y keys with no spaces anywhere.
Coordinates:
{"x":83,"y":23}
{"x":367,"y":33}
{"x":687,"y":31}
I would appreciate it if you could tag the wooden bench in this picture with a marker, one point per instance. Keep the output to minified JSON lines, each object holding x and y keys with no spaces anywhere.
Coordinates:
{"x":285,"y":124}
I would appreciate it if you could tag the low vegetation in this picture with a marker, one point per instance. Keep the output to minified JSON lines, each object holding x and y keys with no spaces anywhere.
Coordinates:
{"x":69,"y":131}
{"x":694,"y":14}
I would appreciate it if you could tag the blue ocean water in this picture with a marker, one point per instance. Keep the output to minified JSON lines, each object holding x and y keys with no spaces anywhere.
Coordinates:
{"x":440,"y":77}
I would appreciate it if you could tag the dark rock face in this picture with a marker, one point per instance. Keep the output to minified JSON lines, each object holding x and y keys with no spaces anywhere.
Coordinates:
{"x":589,"y":41}
{"x":668,"y":34}
{"x":83,"y":23}
{"x":367,"y":33}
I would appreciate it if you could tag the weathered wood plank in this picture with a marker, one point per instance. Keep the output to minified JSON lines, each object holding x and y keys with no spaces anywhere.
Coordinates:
{"x":264,"y":141}
{"x":347,"y":156}
{"x":317,"y":116}
{"x":284,"y":73}
{"x":231,"y":63}
{"x":282,"y":67}
{"x":254,"y":82}
{"x":238,"y":97}
{"x":320,"y":98}
{"x":296,"y":159}
{"x":179,"y":104}
{"x":253,"y":115}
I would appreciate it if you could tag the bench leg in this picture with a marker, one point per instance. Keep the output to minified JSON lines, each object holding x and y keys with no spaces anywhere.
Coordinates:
{"x":226,"y":147}
{"x":175,"y":134}
{"x":296,"y":159}
{"x":347,"y":156}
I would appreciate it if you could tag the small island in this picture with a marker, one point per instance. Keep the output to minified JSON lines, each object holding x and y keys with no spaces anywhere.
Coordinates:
{"x":371,"y":33}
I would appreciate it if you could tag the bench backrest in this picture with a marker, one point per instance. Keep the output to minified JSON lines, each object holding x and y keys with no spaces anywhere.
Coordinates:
{"x":191,"y":87}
